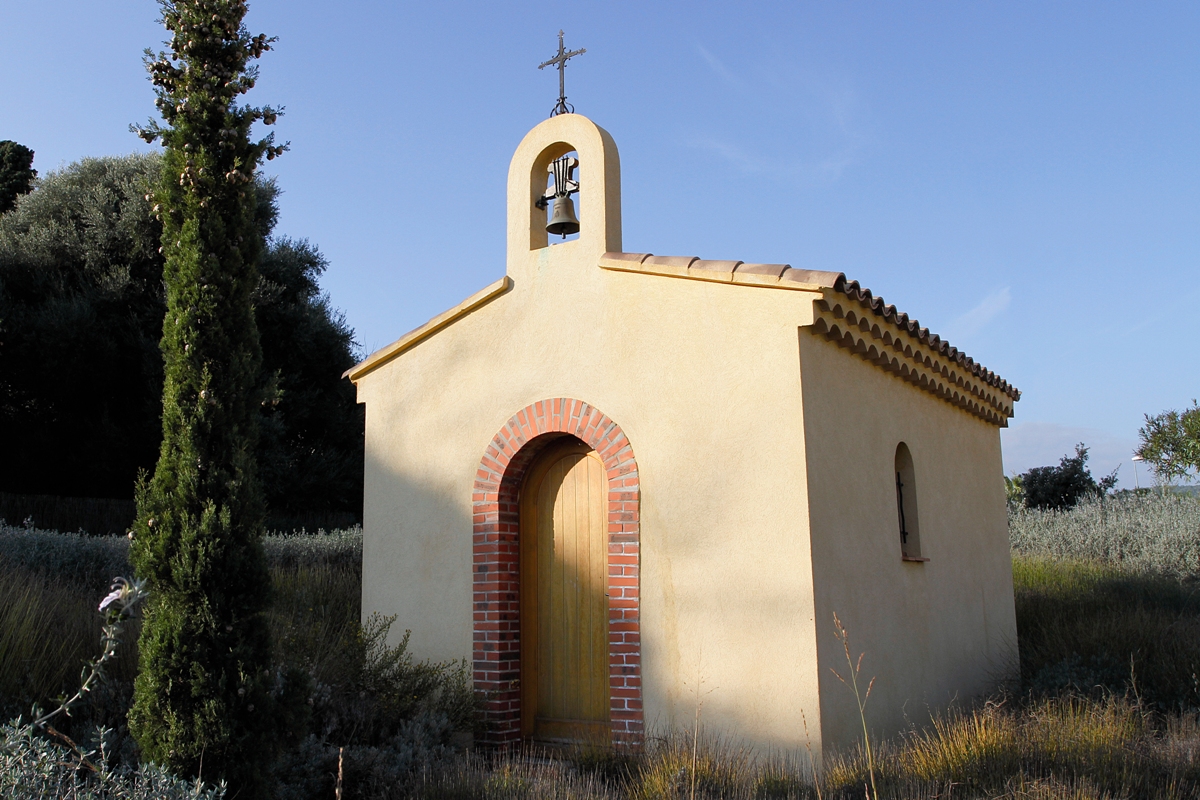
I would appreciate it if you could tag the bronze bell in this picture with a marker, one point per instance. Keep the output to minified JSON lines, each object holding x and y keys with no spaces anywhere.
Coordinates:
{"x":564,"y":220}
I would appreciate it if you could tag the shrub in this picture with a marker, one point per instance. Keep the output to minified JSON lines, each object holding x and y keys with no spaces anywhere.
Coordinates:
{"x":1145,"y":532}
{"x":338,"y":548}
{"x":391,"y":713}
{"x":1063,"y":486}
{"x":32,"y":768}
{"x":92,"y":561}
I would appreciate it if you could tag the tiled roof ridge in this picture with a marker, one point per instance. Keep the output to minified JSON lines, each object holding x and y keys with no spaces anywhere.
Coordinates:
{"x":863,"y":297}
{"x":785,"y":276}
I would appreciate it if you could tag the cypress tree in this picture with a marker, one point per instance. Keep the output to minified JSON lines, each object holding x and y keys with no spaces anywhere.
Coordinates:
{"x":202,"y":699}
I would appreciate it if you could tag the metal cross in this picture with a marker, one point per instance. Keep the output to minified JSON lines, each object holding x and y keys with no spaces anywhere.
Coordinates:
{"x":562,"y":107}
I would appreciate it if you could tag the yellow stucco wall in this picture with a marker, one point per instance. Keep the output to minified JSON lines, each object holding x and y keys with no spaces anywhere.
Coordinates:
{"x":932,"y":631}
{"x":705,"y":380}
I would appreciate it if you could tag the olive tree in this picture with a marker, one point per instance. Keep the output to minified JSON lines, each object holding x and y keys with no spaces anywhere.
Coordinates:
{"x":1170,"y":444}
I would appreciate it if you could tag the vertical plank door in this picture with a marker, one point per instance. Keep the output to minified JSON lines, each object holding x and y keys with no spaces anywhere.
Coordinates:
{"x":564,"y":531}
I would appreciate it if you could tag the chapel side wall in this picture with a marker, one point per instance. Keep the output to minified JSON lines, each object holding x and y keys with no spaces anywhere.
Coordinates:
{"x":932,"y":632}
{"x":704,"y":381}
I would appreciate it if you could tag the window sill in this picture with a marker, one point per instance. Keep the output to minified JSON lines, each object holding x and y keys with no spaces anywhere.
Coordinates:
{"x":916,"y":559}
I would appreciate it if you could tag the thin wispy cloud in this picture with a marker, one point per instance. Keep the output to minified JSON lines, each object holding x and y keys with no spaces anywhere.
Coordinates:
{"x":975,"y":320}
{"x":719,"y":68}
{"x":809,"y":133}
{"x":731,"y":153}
{"x":774,"y":165}
{"x":1184,"y":302}
{"x":835,"y":164}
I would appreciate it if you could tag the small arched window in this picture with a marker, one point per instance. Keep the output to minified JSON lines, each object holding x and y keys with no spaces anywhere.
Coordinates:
{"x":906,"y":505}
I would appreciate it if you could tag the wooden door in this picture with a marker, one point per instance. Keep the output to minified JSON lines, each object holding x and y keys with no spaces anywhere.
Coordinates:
{"x":564,"y":601}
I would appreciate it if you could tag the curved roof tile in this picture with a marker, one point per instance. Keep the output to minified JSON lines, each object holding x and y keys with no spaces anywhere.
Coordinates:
{"x":862,"y":295}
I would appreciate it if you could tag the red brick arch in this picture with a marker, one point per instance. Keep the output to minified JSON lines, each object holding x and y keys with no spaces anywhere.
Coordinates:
{"x":496,"y":560}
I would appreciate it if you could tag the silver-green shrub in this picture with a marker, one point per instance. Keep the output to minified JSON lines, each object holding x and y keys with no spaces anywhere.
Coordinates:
{"x":1145,"y":531}
{"x":33,"y":768}
{"x":92,"y":561}
{"x":334,"y":548}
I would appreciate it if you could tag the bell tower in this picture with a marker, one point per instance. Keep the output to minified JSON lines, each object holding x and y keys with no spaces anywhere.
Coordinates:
{"x":592,"y":177}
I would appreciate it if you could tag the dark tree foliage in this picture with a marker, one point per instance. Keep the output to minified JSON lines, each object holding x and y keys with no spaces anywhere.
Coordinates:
{"x":81,"y":310}
{"x":311,"y":454}
{"x":16,"y":173}
{"x":203,"y":696}
{"x":1062,"y":487}
{"x":81,"y":315}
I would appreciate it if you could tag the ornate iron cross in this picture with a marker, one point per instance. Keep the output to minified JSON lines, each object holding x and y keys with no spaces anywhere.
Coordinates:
{"x":563,"y":107}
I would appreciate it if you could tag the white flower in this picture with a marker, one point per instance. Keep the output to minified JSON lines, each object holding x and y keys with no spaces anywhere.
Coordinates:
{"x":127,"y":593}
{"x":110,"y":598}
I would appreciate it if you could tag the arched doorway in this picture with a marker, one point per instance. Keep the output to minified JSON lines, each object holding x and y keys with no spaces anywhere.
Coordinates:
{"x":525,"y":443}
{"x":564,"y":595}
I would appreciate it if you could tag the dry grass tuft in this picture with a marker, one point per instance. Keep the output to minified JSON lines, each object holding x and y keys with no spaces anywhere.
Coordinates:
{"x":1055,"y":750}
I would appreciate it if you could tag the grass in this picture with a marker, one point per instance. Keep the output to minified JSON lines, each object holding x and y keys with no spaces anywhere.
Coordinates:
{"x":50,"y":584}
{"x":1108,"y":616}
{"x":1090,"y":628}
{"x":1056,"y":748}
{"x":48,"y":629}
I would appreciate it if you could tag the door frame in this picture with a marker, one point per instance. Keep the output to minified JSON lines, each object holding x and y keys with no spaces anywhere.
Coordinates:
{"x":496,"y":602}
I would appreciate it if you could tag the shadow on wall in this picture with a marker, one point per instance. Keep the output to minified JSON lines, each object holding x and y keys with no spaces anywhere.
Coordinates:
{"x":417,"y":563}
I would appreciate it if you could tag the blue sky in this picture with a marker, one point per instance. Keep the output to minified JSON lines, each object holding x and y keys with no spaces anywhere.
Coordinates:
{"x":1021,"y":177}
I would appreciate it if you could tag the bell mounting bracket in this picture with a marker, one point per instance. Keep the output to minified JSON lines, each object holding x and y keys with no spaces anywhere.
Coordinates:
{"x":564,"y":184}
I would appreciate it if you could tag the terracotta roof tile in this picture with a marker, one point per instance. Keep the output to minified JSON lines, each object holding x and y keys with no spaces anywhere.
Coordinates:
{"x":812,"y":276}
{"x":669,"y":261}
{"x":722,"y":269}
{"x":864,"y":298}
{"x":774,"y":270}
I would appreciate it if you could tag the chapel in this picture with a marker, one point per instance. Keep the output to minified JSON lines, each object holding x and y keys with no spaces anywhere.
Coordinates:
{"x":625,"y":484}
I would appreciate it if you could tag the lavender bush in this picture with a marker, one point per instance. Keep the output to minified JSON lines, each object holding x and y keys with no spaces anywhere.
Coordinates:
{"x":1143,"y":532}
